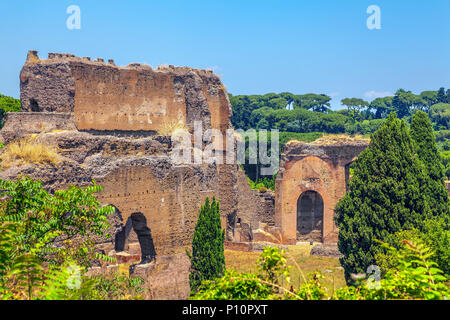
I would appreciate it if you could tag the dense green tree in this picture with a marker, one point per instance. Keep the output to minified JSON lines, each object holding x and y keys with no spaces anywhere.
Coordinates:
{"x":403,"y":102}
{"x":425,"y":140}
{"x":384,"y":196}
{"x":440,"y":115}
{"x":430,"y":98}
{"x":314,"y":102}
{"x":354,"y":106}
{"x":437,"y":230}
{"x":381,"y":107}
{"x":8,"y":104}
{"x":207,"y":258}
{"x":441,"y":96}
{"x":311,"y":112}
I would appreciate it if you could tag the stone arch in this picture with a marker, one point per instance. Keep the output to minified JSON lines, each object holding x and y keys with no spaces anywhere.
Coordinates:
{"x":138,"y":223}
{"x":310,"y":216}
{"x":309,"y":173}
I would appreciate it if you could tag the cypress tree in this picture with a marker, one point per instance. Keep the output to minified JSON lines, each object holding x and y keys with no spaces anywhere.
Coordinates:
{"x":437,"y":229}
{"x":427,"y":151}
{"x":384,"y":196}
{"x":207,"y":259}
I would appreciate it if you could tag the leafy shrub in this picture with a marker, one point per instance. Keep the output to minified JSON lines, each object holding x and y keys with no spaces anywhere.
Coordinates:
{"x":35,"y":261}
{"x":233,"y":286}
{"x":48,"y":223}
{"x":8,"y":104}
{"x":412,"y":275}
{"x":269,"y":283}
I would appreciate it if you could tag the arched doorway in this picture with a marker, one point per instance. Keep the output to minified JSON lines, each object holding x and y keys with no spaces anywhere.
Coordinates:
{"x":138,"y":223}
{"x":310,"y":217}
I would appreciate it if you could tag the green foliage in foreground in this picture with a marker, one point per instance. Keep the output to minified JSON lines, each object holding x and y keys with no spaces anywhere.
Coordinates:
{"x":413,"y":276}
{"x":49,"y":224}
{"x":46,"y":246}
{"x":23,"y":276}
{"x":207,"y":258}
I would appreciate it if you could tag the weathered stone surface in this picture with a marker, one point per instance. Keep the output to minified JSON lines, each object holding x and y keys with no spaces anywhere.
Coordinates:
{"x":21,"y":124}
{"x":326,"y":250}
{"x":166,"y":277}
{"x":254,"y":207}
{"x":133,"y":98}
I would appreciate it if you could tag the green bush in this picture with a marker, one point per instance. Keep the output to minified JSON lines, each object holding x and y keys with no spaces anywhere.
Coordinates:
{"x":207,"y":258}
{"x":8,"y":104}
{"x":48,"y":223}
{"x":37,"y":262}
{"x":412,"y":275}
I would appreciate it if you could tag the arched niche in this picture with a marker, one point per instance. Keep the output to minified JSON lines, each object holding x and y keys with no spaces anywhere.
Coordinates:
{"x":138,"y":223}
{"x":310,"y":214}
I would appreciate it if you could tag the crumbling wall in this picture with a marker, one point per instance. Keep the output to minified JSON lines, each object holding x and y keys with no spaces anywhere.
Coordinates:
{"x":47,"y":87}
{"x":106,"y":97}
{"x":103,"y":121}
{"x":169,"y":198}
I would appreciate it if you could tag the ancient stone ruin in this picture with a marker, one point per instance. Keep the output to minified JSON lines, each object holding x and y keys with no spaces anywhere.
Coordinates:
{"x":312,"y":179}
{"x":106,"y":123}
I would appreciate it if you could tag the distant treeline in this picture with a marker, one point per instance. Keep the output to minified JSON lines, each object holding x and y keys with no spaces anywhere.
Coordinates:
{"x":312,"y":112}
{"x":307,"y":117}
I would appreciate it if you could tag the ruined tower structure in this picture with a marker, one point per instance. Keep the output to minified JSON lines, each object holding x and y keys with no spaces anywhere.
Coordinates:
{"x":110,"y":124}
{"x":106,"y":123}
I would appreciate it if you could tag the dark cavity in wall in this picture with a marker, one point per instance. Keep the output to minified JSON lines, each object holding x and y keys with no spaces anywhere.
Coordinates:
{"x":34,"y":106}
{"x":138,"y":223}
{"x":310,"y":216}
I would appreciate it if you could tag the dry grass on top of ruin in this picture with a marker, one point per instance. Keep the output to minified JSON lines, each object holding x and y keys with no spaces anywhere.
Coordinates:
{"x":29,"y":151}
{"x":329,"y":139}
{"x":168,"y":128}
{"x":335,"y":139}
{"x":299,"y":260}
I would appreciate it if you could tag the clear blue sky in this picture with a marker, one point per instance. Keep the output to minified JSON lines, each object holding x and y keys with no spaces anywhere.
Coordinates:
{"x":257,"y":47}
